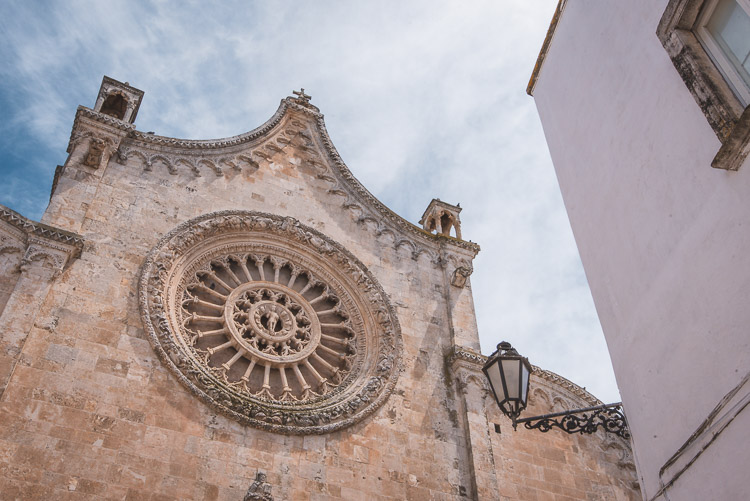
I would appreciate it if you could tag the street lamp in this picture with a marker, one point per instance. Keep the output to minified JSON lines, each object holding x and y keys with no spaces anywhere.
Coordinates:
{"x":508,"y":373}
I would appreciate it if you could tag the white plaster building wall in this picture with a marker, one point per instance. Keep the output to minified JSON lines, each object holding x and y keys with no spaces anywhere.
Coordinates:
{"x":662,"y":235}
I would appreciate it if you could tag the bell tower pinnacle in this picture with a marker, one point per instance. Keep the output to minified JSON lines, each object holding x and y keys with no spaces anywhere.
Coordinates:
{"x":118,"y":100}
{"x":441,"y":217}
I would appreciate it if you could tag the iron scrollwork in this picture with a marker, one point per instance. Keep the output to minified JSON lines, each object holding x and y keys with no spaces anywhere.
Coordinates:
{"x":609,"y":417}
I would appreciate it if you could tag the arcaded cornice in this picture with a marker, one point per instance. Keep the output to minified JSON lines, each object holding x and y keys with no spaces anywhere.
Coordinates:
{"x":470,"y":357}
{"x":41,"y":230}
{"x":371,"y":200}
{"x":261,"y":143}
{"x":213,"y":144}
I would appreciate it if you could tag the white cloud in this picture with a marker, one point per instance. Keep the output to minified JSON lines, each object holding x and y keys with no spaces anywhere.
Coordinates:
{"x":422,"y":99}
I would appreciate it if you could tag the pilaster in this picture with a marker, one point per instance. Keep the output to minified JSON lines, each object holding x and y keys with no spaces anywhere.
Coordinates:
{"x":472,"y":393}
{"x":47,"y":252}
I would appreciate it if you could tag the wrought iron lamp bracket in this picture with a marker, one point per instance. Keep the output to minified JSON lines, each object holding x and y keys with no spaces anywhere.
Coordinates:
{"x":609,"y":417}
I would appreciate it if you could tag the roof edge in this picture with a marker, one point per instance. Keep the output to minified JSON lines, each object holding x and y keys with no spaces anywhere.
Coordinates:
{"x":40,"y":229}
{"x":474,"y":357}
{"x":404,"y":225}
{"x":302,"y":106}
{"x":545,"y":47}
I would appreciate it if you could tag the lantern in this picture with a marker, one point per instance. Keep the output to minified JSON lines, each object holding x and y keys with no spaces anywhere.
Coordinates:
{"x":508,"y":374}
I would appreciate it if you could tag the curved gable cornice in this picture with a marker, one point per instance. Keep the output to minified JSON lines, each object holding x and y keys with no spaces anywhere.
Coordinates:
{"x":263,"y":142}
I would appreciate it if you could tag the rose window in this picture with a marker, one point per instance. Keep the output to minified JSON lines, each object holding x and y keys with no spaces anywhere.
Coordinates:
{"x":268,"y":326}
{"x":270,"y":322}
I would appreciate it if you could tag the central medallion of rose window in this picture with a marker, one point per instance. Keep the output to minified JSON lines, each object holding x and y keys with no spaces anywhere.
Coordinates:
{"x":270,"y":322}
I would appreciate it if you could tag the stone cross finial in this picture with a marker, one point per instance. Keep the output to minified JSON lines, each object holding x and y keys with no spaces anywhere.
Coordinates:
{"x":301,"y":95}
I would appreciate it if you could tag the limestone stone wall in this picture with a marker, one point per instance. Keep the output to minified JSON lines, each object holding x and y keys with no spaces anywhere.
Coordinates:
{"x":556,"y":466}
{"x":12,"y":249}
{"x":91,"y":412}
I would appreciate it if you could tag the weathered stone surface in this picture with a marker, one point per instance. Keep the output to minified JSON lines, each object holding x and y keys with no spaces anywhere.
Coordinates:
{"x":92,"y":412}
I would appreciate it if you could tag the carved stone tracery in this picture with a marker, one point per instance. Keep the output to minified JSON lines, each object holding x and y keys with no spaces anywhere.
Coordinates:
{"x":270,"y":322}
{"x":52,"y":248}
{"x":289,"y":127}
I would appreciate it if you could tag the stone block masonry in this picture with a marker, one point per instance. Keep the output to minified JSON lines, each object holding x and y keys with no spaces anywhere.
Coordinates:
{"x":92,"y":409}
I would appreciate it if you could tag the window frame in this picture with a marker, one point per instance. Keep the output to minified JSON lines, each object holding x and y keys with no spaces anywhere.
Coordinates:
{"x":726,"y":114}
{"x":717,"y":54}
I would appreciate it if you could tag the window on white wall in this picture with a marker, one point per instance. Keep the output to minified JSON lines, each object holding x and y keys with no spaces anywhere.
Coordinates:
{"x":724,"y":31}
{"x":709,"y":44}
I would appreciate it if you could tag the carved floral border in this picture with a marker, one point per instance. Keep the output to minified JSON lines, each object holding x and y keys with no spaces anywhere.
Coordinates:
{"x":367,"y":392}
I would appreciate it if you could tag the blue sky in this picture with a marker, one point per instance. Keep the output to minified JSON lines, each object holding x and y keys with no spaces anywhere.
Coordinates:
{"x":422,"y":99}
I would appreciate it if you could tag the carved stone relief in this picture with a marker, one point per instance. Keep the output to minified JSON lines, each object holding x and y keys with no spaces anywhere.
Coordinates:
{"x":265,"y":144}
{"x":99,"y":149}
{"x":12,"y":243}
{"x":270,"y":322}
{"x":96,"y":152}
{"x":260,"y":489}
{"x":460,"y":274}
{"x":37,"y":243}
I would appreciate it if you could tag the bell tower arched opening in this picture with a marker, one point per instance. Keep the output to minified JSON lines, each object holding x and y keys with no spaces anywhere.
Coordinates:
{"x":115,"y":106}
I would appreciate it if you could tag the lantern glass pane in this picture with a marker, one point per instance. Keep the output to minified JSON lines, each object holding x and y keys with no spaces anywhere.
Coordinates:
{"x":493,"y":372}
{"x":511,"y":370}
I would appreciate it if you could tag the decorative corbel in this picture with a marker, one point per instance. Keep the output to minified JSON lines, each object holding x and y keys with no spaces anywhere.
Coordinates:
{"x":51,"y":256}
{"x":460,"y":274}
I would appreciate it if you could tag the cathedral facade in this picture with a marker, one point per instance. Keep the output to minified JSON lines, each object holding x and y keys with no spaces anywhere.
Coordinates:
{"x":241,"y":318}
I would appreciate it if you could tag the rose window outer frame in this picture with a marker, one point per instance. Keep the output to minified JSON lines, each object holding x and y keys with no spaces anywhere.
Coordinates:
{"x":209,"y":345}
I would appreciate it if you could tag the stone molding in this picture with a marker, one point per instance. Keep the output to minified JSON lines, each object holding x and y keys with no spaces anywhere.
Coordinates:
{"x":558,"y":392}
{"x":217,"y":144}
{"x":68,"y":240}
{"x":725,"y":113}
{"x":87,"y":115}
{"x":288,"y":127}
{"x":38,"y":244}
{"x":376,"y":364}
{"x":468,"y":358}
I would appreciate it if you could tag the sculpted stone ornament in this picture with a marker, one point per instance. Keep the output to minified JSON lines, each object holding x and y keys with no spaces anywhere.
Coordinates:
{"x":259,"y":490}
{"x":95,"y":153}
{"x":305,"y":133}
{"x":270,"y":322}
{"x":460,"y":275}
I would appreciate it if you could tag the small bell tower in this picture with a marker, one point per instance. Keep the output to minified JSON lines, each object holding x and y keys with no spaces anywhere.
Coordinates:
{"x":441,"y":217}
{"x":118,"y":100}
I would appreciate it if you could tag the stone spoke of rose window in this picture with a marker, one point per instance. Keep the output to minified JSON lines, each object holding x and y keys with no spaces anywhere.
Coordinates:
{"x":268,"y":326}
